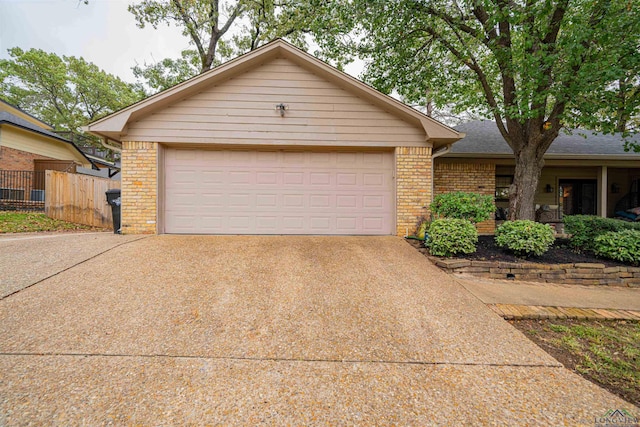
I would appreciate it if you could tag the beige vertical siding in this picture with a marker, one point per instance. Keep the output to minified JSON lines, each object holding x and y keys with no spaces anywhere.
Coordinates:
{"x":242,"y":110}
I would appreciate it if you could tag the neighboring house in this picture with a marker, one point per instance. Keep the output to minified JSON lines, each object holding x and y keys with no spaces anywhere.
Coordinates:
{"x":274,"y":142}
{"x":585,"y":172}
{"x":28,"y":147}
{"x":26,"y":141}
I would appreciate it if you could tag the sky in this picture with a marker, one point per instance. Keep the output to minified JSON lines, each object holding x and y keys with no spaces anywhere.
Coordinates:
{"x":102,"y":32}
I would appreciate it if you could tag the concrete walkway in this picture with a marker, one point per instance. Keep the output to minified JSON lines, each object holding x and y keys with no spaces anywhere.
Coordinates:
{"x":534,"y":300}
{"x":273,"y":330}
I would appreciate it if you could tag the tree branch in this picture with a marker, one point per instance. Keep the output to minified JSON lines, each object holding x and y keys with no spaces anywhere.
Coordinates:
{"x":191,"y":28}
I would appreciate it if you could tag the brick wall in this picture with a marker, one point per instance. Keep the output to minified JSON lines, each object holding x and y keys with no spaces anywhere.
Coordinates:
{"x":468,"y":177}
{"x":413,"y":187}
{"x":139,"y":187}
{"x":18,"y":160}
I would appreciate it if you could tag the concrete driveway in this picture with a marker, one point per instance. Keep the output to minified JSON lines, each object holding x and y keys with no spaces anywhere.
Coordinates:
{"x":272,"y":330}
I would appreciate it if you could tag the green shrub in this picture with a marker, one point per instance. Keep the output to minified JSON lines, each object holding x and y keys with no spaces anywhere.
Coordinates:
{"x":450,"y":236}
{"x":585,"y":228}
{"x":524,"y":237}
{"x":621,"y":245}
{"x":470,"y":206}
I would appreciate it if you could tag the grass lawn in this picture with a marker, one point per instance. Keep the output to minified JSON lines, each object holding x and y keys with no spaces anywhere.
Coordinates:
{"x":24,"y":222}
{"x":604,"y":352}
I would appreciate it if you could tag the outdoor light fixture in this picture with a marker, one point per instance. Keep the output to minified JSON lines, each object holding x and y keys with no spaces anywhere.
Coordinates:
{"x":548,"y":188}
{"x":282,"y":108}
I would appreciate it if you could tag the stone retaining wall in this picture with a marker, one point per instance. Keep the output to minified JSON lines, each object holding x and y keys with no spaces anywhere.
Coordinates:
{"x":578,"y":273}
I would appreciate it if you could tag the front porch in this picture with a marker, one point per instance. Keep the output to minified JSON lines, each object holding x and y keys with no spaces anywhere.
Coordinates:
{"x":577,"y":190}
{"x":566,"y":187}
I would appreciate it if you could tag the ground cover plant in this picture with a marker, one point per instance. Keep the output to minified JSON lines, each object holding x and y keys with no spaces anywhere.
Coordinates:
{"x":24,"y":222}
{"x":604,"y":352}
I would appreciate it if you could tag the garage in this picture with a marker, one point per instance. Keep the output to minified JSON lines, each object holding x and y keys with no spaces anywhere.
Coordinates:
{"x":274,"y":142}
{"x":279,"y":192}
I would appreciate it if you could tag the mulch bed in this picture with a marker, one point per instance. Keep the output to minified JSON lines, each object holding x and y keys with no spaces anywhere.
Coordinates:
{"x":559,"y":253}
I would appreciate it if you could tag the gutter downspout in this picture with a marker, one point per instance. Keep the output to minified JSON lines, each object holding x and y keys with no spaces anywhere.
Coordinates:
{"x":439,"y":152}
{"x":110,"y":147}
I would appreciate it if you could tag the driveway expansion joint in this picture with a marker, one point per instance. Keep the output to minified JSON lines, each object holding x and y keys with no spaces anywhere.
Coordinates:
{"x":71,"y":266}
{"x":283,"y":359}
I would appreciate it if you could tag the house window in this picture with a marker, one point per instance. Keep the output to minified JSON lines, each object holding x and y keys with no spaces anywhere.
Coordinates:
{"x":503,"y":182}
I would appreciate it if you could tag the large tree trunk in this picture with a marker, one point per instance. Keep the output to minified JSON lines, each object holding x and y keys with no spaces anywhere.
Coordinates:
{"x":529,"y":163}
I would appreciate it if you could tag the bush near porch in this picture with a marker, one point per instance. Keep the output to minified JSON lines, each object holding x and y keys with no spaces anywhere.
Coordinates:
{"x":585,"y":228}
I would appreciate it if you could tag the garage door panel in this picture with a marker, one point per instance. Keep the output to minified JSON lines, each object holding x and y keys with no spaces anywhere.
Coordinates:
{"x":278,"y":192}
{"x":320,"y":225}
{"x":347,"y":224}
{"x":240,"y":178}
{"x":348,"y":180}
{"x":320,"y":201}
{"x":267,"y":201}
{"x":293,"y":224}
{"x":293,"y":178}
{"x":373,"y":202}
{"x":319,"y":179}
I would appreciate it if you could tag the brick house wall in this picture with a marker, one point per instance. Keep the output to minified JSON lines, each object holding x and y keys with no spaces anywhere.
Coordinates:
{"x":413,"y":187}
{"x":18,"y":160}
{"x":139,"y":187}
{"x":468,"y":177}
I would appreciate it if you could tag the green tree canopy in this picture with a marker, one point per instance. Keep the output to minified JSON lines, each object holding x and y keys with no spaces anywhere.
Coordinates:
{"x":532,"y":66}
{"x":66,"y":92}
{"x":217,"y":30}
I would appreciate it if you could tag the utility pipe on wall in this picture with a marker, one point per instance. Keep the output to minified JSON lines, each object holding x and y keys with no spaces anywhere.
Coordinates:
{"x":439,"y":152}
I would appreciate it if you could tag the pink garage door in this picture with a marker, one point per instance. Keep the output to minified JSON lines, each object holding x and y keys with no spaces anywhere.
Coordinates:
{"x":278,"y":192}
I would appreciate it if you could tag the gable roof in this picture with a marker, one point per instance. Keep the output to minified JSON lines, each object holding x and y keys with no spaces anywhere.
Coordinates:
{"x":112,"y":127}
{"x":15,"y":121}
{"x":483,"y":139}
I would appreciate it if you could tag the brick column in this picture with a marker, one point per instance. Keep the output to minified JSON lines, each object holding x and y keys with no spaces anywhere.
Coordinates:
{"x":470,"y":178}
{"x":139,"y":187}
{"x":413,"y":187}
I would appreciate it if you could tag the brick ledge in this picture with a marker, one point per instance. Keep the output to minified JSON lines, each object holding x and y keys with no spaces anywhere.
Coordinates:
{"x":514,"y":311}
{"x":573,"y":274}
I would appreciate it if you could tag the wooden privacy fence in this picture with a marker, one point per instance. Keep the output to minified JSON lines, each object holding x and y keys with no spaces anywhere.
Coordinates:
{"x":78,"y":198}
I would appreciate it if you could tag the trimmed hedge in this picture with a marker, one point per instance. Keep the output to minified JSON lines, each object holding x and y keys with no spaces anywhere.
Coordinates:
{"x":621,"y":245}
{"x":585,"y":228}
{"x":473,"y":207}
{"x":525,"y":238}
{"x":450,"y":236}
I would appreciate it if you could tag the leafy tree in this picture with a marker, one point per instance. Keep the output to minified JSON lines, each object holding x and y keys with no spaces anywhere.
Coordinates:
{"x":218,"y":30}
{"x":199,"y":19}
{"x":169,"y":72}
{"x":532,"y":66}
{"x":65,"y":92}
